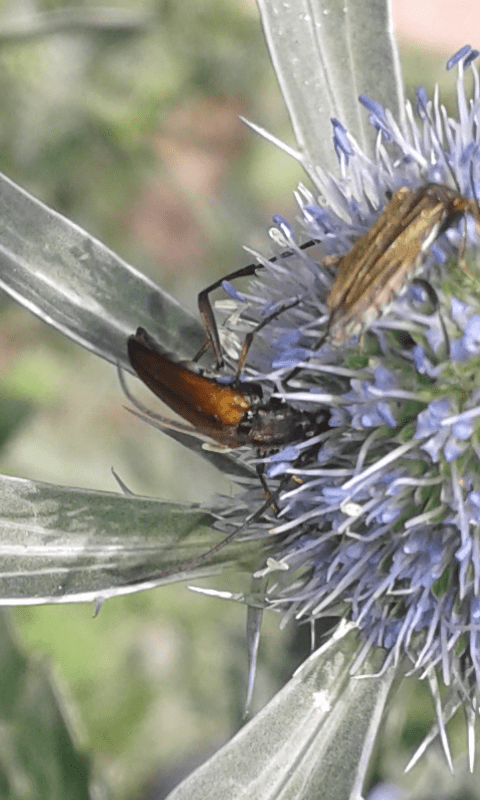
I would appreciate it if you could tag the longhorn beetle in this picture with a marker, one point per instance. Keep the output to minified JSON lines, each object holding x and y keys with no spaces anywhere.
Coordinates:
{"x":382,"y":260}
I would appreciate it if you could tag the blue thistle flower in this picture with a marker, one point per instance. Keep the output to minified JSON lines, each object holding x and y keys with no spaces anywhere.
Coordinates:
{"x":378,"y":517}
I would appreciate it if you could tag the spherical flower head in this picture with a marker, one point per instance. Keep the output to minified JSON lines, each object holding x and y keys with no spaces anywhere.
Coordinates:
{"x":377,"y":519}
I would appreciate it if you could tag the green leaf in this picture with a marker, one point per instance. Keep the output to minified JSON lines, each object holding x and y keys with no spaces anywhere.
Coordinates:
{"x":38,"y":756}
{"x":312,"y":741}
{"x":325,"y":54}
{"x":75,"y":283}
{"x":59,"y":544}
{"x":13,"y":413}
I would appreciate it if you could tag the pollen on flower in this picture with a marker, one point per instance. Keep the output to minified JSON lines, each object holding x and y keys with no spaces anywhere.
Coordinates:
{"x":377,"y":518}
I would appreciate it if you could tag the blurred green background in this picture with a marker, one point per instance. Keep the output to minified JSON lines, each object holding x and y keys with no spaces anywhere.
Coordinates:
{"x":126,"y":120}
